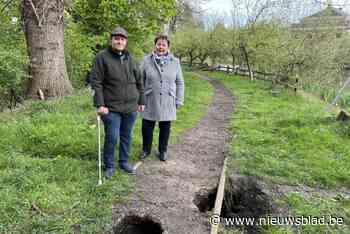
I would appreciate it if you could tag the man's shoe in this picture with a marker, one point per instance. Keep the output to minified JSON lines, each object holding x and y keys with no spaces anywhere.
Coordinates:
{"x":163,"y":156}
{"x":144,"y":155}
{"x":109,"y":173}
{"x":128,"y":168}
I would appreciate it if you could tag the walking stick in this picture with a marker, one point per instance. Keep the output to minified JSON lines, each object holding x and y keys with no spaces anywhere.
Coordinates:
{"x":99,"y":150}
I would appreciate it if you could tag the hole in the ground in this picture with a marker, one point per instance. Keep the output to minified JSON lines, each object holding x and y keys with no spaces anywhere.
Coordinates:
{"x":138,"y":225}
{"x":243,"y":197}
{"x":205,"y":199}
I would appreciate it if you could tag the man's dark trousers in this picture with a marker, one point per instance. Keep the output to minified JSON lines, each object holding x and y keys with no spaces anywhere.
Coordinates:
{"x":117,"y":126}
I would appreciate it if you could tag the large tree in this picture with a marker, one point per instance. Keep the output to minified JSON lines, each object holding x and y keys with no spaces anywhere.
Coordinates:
{"x":44,"y":32}
{"x":142,"y":19}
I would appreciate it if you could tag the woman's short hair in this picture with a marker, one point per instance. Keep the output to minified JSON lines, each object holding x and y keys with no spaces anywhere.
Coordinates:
{"x":162,"y":36}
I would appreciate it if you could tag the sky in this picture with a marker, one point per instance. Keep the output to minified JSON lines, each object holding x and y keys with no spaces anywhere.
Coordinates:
{"x":224,"y":7}
{"x":218,"y":6}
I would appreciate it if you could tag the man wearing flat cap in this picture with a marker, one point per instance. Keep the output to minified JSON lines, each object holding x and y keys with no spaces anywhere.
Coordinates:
{"x":119,"y":94}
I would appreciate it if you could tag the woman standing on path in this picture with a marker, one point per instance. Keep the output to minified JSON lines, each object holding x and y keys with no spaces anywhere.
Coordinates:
{"x":164,"y":93}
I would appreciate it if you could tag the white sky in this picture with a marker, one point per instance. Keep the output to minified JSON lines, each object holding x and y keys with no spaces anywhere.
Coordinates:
{"x":218,"y":6}
{"x":223,"y":7}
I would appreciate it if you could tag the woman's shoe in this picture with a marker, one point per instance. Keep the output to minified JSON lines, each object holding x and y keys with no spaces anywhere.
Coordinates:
{"x":144,"y":155}
{"x":163,"y":156}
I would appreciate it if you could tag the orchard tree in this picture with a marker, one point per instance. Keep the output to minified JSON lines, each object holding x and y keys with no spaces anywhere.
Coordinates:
{"x":188,"y":43}
{"x":218,"y":42}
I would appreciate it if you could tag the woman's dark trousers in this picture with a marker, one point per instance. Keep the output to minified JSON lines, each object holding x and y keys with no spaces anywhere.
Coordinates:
{"x":147,"y":135}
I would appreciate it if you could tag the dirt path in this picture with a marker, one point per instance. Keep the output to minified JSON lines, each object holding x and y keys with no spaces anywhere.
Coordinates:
{"x":165,"y":190}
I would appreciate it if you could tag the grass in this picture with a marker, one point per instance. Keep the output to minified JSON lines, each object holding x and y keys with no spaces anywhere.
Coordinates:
{"x":287,"y":139}
{"x":315,"y":206}
{"x":48,"y":168}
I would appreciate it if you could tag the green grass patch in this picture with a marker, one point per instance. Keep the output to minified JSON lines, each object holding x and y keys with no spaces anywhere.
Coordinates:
{"x":285,"y":138}
{"x":290,"y":140}
{"x":48,"y":163}
{"x":327,"y":215}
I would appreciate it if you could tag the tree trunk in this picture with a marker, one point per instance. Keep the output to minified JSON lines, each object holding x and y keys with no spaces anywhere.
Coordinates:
{"x":233,"y":63}
{"x":44,"y":32}
{"x":233,"y":59}
{"x":191,"y":59}
{"x":203,"y":58}
{"x":246,"y":57}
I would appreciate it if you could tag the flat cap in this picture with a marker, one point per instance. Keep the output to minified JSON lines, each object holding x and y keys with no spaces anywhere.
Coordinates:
{"x":119,"y":31}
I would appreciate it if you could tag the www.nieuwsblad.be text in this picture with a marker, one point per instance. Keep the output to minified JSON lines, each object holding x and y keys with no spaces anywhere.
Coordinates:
{"x":276,"y":221}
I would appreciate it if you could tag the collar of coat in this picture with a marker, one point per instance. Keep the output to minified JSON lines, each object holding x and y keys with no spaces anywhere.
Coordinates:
{"x":153,"y":56}
{"x":162,"y":60}
{"x":120,"y":55}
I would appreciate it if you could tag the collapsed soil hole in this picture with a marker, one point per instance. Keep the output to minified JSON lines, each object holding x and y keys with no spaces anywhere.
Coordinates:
{"x":205,"y":199}
{"x":138,"y":225}
{"x":244,"y":198}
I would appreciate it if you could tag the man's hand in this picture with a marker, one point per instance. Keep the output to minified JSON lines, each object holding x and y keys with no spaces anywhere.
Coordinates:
{"x":141,"y":108}
{"x":102,"y":110}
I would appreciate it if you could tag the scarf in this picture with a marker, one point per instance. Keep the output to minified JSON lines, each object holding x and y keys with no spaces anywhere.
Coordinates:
{"x":162,"y":60}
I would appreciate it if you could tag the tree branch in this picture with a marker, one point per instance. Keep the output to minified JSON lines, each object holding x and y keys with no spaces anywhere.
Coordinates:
{"x":260,"y":12}
{"x":6,"y":4}
{"x":36,"y":13}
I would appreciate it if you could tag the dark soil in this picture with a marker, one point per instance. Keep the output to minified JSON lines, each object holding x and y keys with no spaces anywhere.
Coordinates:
{"x":138,"y":225}
{"x":244,"y":197}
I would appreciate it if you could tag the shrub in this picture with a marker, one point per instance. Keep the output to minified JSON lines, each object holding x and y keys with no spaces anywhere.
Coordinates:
{"x":13,"y":61}
{"x":79,"y":53}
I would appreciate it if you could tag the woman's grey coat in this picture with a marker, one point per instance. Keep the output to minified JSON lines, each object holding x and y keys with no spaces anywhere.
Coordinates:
{"x":164,"y":88}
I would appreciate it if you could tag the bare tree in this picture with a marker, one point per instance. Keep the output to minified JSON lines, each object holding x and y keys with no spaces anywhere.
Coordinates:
{"x":187,"y":11}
